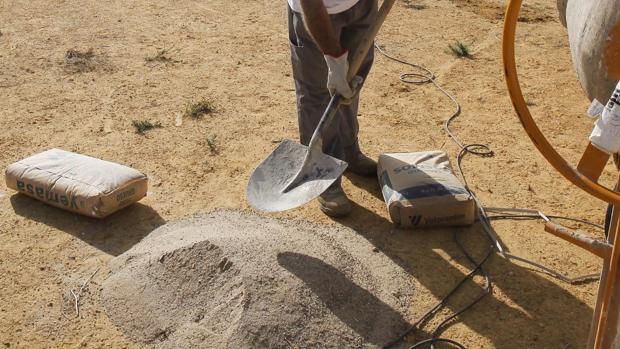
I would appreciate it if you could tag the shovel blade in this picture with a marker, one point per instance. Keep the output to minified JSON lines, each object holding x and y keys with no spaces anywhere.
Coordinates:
{"x":269,"y":188}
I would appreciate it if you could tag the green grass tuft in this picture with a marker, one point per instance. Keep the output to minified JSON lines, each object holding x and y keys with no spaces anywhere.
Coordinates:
{"x":460,"y":50}
{"x":143,"y":126}
{"x":196,"y":110}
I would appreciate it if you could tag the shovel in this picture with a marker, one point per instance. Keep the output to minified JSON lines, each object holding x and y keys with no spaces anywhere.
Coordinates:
{"x":294,"y":174}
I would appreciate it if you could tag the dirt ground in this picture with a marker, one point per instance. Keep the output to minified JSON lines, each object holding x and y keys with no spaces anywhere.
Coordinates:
{"x":235,"y":53}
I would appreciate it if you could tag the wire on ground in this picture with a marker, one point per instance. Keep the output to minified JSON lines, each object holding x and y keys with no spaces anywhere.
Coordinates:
{"x":426,"y":76}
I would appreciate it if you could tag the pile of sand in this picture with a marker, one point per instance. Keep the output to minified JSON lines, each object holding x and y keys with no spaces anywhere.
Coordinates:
{"x":237,"y":280}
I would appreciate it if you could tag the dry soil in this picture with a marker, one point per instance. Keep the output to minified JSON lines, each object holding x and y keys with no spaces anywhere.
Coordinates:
{"x":236,"y":54}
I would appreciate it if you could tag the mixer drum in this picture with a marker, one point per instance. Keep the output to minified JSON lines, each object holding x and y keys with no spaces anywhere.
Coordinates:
{"x":594,"y":36}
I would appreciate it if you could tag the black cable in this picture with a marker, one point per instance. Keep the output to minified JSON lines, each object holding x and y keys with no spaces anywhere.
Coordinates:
{"x":444,"y":301}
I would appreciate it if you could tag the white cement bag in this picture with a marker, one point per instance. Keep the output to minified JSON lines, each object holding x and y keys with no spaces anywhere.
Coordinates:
{"x":77,"y":183}
{"x":421,"y":190}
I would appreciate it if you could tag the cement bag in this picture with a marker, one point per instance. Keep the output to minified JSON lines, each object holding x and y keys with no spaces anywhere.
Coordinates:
{"x":421,"y":190}
{"x":594,"y":35}
{"x":77,"y":183}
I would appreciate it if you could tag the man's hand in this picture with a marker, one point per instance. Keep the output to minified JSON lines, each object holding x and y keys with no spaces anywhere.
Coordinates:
{"x":337,"y":83}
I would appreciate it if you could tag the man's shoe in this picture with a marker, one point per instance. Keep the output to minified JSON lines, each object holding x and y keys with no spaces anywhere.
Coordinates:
{"x":362,"y":165}
{"x":334,"y":203}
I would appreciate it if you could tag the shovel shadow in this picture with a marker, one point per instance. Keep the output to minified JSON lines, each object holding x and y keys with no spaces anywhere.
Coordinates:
{"x":362,"y":311}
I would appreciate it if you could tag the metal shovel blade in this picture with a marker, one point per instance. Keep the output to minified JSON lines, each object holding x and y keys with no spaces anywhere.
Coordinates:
{"x":270,"y":188}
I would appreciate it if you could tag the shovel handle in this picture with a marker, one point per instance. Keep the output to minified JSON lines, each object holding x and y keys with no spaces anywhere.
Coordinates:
{"x":369,"y":38}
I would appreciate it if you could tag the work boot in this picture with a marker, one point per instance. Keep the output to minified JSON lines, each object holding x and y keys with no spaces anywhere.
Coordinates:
{"x":361,"y":164}
{"x":334,"y":202}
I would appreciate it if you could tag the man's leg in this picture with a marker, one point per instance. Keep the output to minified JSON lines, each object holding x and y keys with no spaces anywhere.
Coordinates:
{"x":310,"y":75}
{"x":358,"y":20}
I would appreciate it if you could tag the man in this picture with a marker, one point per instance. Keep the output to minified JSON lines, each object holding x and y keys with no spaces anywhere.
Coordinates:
{"x":322,"y":33}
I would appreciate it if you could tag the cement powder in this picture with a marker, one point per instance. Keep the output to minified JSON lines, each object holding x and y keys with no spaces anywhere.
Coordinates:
{"x":237,"y":280}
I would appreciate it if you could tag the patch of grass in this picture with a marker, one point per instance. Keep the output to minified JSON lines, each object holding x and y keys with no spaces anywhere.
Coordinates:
{"x":143,"y":126}
{"x":198,"y":109}
{"x":459,"y":49}
{"x":210,"y":139}
{"x":160,"y":57}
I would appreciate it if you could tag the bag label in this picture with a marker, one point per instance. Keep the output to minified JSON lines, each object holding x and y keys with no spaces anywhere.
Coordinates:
{"x":47,"y":195}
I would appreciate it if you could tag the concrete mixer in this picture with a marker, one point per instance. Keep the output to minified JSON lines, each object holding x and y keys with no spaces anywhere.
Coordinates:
{"x":593,"y":28}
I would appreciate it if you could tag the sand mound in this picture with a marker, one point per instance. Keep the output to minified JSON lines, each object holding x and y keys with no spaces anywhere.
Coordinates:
{"x":237,"y":280}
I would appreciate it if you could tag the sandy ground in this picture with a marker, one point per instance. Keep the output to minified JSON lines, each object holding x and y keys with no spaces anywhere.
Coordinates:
{"x":236,"y":54}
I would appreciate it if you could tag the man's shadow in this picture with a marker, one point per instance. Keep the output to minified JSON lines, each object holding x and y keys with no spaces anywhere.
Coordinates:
{"x":545,"y":316}
{"x":114,"y":234}
{"x":362,"y":311}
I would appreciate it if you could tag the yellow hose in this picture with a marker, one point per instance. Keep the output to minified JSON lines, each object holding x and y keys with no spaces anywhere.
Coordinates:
{"x":532,"y":130}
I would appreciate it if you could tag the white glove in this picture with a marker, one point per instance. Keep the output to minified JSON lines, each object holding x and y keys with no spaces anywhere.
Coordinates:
{"x":606,"y":132}
{"x":338,"y":67}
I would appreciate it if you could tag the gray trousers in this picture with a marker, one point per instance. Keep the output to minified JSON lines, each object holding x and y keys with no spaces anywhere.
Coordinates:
{"x":310,"y":75}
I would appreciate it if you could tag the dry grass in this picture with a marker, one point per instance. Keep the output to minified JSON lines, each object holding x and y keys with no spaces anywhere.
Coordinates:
{"x":414,"y":5}
{"x":211,"y":143}
{"x":161,"y":56}
{"x":79,"y":61}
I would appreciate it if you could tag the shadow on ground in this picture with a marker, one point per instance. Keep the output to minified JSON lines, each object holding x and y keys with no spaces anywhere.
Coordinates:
{"x":113,"y":235}
{"x":353,"y":305}
{"x":544,"y":314}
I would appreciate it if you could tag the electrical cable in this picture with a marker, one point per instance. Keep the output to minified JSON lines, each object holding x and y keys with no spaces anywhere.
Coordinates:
{"x":477,"y":149}
{"x":426,"y":76}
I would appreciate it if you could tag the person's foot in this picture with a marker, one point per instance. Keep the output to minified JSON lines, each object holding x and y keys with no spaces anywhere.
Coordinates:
{"x":334,"y":202}
{"x":362,"y":165}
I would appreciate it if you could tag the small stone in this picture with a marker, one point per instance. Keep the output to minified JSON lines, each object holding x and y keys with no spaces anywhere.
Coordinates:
{"x":107,"y":126}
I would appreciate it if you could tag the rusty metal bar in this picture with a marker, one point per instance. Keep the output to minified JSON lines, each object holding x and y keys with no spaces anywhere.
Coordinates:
{"x":581,"y":239}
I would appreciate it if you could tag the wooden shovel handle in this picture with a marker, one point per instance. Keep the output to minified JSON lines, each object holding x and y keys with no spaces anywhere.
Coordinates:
{"x":369,"y":38}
